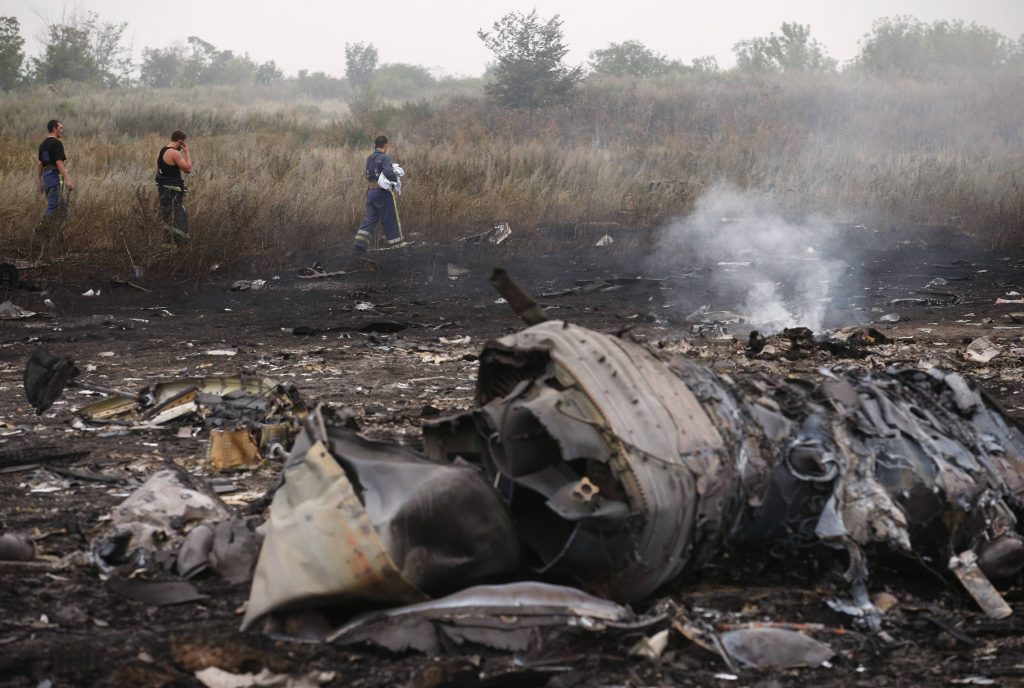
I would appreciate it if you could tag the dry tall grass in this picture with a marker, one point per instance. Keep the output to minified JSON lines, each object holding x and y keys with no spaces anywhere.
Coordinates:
{"x":276,"y":172}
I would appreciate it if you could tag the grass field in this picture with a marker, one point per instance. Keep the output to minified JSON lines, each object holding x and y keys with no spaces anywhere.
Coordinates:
{"x":277,"y":171}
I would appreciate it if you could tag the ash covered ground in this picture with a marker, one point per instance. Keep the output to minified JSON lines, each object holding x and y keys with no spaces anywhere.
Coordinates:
{"x":61,"y":623}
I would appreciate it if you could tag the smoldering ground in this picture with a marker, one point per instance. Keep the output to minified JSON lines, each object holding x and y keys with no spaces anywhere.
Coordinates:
{"x":394,"y":381}
{"x":774,"y":271}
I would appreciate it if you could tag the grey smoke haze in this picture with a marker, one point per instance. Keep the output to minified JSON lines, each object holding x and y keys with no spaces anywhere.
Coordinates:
{"x":771,"y":270}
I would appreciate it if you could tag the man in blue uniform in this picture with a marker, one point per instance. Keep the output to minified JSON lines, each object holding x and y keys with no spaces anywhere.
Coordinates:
{"x":52,"y":171}
{"x":383,"y":177}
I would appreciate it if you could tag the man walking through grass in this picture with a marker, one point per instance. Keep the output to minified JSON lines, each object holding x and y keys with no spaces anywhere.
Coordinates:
{"x":53,"y":172}
{"x":173,"y":159}
{"x":383,"y":177}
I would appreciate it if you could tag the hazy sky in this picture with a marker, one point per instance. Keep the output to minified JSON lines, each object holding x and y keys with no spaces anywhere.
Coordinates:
{"x":441,"y":34}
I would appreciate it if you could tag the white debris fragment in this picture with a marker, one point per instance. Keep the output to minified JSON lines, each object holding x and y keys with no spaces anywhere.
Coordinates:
{"x":455,"y":340}
{"x":606,"y":240}
{"x":364,"y":306}
{"x":221,"y":352}
{"x":8,"y":311}
{"x":215,"y":677}
{"x":651,"y":647}
{"x":890,"y":318}
{"x":973,"y":681}
{"x":982,"y":350}
{"x":91,"y":292}
{"x":501,"y":232}
{"x":246,"y":285}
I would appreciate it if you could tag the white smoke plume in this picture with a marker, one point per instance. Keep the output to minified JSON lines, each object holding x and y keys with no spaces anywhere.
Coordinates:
{"x":766,"y":268}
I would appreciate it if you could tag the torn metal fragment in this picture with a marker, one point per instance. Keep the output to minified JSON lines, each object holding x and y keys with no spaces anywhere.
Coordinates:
{"x":775,"y":648}
{"x":145,"y":529}
{"x":362,"y":520}
{"x":965,"y":566}
{"x":155,"y":593}
{"x":513,"y":617}
{"x":233,"y":449}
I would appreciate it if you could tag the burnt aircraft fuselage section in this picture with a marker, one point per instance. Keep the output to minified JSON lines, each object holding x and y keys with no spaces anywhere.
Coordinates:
{"x":617,"y":467}
{"x":622,"y":467}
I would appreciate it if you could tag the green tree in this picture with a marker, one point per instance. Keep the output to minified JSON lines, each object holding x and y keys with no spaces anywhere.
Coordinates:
{"x":227,"y":68}
{"x":629,"y":58}
{"x":360,"y":66}
{"x":791,"y":50}
{"x":268,"y":73}
{"x":164,"y":67}
{"x":82,"y":48}
{"x":201,"y":63}
{"x":904,"y":45}
{"x":11,"y":55}
{"x":399,"y":80}
{"x":530,"y":72}
{"x":704,"y":65}
{"x":320,"y":85}
{"x":1016,"y":56}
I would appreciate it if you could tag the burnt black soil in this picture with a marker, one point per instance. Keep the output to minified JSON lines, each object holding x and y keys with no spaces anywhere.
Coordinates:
{"x":59,"y":622}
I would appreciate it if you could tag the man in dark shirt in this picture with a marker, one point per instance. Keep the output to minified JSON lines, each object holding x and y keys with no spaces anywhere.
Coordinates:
{"x":173,"y":159}
{"x":52,"y":171}
{"x":383,"y":177}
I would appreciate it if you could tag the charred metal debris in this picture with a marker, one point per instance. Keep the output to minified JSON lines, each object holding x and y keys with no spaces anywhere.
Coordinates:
{"x":591,"y":472}
{"x":594,"y":462}
{"x":248,"y":417}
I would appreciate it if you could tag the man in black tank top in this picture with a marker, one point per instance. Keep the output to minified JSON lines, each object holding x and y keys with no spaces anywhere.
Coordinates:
{"x":173,"y":159}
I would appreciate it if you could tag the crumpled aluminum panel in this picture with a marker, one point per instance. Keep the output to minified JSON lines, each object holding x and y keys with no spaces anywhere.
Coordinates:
{"x":320,"y":546}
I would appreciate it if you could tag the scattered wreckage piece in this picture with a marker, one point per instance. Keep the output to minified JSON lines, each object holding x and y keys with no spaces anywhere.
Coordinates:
{"x":795,"y":343}
{"x":10,"y":311}
{"x":248,"y":285}
{"x":155,"y":593}
{"x":21,"y":458}
{"x":982,"y":350}
{"x":515,"y":617}
{"x":496,"y":235}
{"x":317,"y":271}
{"x":14,"y":547}
{"x":217,"y":400}
{"x":233,"y":449}
{"x":45,"y":378}
{"x":152,"y":516}
{"x":774,"y":648}
{"x":358,"y":520}
{"x":247,"y":415}
{"x":172,"y":523}
{"x":215,"y":677}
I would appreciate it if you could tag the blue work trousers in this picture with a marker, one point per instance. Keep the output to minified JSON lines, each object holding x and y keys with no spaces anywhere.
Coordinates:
{"x":380,"y":207}
{"x":53,"y":187}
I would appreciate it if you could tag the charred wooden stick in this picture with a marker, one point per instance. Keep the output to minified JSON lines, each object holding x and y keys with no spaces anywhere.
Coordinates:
{"x":522,"y":303}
